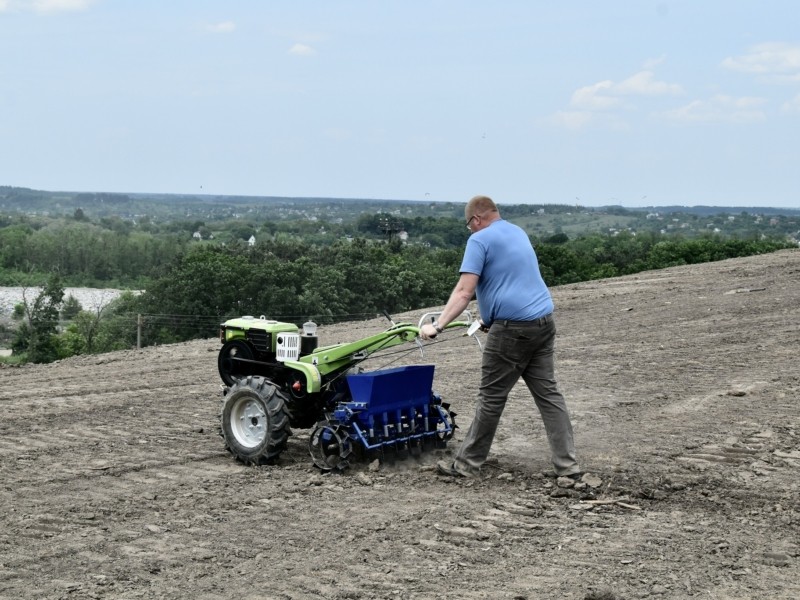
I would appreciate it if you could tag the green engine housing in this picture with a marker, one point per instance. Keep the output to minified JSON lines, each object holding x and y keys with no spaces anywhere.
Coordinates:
{"x":265,"y":335}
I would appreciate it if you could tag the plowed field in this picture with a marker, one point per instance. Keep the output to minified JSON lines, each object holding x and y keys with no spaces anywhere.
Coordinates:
{"x":684,"y":388}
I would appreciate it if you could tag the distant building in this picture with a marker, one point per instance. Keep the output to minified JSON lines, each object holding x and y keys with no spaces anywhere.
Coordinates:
{"x":251,"y":241}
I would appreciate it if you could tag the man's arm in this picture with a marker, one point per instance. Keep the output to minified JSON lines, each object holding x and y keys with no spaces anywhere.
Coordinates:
{"x":459,"y":299}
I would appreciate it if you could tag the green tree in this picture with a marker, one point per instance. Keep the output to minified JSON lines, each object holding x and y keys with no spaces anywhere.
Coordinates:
{"x":86,"y":328}
{"x":18,"y":312}
{"x":560,"y":264}
{"x":15,"y":246}
{"x":206,"y":282}
{"x":36,"y":337}
{"x":118,"y":327}
{"x":70,"y":308}
{"x":243,"y":231}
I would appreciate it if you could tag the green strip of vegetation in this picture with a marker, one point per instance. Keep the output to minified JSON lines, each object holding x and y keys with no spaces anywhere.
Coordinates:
{"x":201,"y":260}
{"x":296,"y":281}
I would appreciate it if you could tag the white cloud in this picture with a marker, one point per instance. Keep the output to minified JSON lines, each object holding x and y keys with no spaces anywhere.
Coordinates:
{"x":652,"y":63}
{"x":302,"y":50}
{"x":606,"y":95}
{"x":45,"y":7}
{"x":643,"y":84}
{"x":223,"y":27}
{"x":771,"y":58}
{"x":720,"y":109}
{"x":597,"y":96}
{"x":52,"y":6}
{"x":602,"y":98}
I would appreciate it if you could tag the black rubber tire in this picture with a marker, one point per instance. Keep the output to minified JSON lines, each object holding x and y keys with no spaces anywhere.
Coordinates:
{"x":304,"y":409}
{"x":255,"y":424}
{"x":229,"y":369}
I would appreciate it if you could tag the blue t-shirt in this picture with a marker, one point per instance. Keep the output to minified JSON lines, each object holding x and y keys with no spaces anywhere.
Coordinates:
{"x":510,"y":285}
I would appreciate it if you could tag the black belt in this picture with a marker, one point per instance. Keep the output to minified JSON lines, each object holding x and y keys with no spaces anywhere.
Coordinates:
{"x":539,"y":321}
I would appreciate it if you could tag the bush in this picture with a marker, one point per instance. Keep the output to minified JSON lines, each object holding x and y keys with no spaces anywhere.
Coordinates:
{"x":19,"y":311}
{"x":37,"y":337}
{"x":71,"y":308}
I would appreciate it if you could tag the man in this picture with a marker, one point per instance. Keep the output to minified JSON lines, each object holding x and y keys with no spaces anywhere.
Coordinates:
{"x":500,"y":265}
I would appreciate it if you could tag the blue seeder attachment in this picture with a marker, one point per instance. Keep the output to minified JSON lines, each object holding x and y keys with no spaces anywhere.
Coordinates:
{"x":393,"y":406}
{"x":390,"y":408}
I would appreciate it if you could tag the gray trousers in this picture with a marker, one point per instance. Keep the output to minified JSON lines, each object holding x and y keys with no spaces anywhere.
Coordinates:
{"x":517,"y":349}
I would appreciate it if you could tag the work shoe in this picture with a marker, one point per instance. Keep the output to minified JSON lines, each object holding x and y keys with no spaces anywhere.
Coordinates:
{"x":574,"y":476}
{"x":444,"y":467}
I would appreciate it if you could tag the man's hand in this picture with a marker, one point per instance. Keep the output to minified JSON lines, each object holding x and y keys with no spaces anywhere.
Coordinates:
{"x":428,"y":332}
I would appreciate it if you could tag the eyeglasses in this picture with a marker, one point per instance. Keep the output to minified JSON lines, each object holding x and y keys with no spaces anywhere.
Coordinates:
{"x":470,"y":221}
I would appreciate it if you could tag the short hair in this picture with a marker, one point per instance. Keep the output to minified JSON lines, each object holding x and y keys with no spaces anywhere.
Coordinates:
{"x":479,"y":205}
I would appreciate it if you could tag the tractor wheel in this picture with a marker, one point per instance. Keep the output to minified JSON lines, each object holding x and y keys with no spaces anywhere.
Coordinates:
{"x":231,"y":369}
{"x":446,"y":427}
{"x":330,"y":446}
{"x":255,"y":424}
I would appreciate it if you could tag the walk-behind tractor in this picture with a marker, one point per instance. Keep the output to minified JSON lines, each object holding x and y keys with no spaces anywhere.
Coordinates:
{"x":277,"y":377}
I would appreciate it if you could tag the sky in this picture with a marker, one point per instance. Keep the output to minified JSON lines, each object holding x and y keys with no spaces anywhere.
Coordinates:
{"x":589,"y":102}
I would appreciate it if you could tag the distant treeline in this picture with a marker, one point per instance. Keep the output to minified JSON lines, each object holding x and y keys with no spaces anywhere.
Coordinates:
{"x":121,"y":253}
{"x":299,"y":259}
{"x":23,"y":199}
{"x":294,"y":280}
{"x":598,"y":256}
{"x":113,"y":253}
{"x":84,"y":254}
{"x":350,"y":280}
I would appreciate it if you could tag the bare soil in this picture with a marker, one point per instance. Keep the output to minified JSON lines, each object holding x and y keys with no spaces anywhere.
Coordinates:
{"x":684,"y":389}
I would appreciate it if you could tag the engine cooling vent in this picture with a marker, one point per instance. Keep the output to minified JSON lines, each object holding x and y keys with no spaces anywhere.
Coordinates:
{"x":287,"y":346}
{"x":260,"y":339}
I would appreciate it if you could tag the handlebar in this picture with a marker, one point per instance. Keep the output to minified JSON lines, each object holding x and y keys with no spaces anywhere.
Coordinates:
{"x":431,"y":316}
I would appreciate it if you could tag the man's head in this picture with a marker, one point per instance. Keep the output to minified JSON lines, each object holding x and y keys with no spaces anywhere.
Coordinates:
{"x":480,"y":212}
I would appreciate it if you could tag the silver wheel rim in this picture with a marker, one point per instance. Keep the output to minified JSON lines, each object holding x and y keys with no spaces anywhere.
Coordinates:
{"x":248,"y":422}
